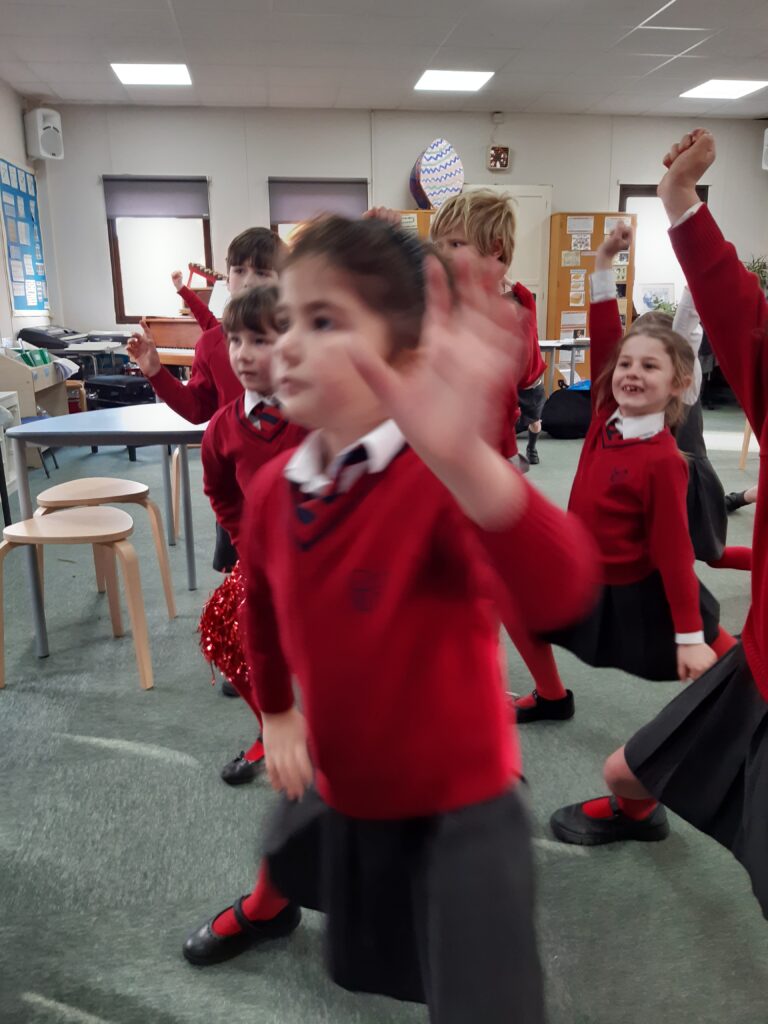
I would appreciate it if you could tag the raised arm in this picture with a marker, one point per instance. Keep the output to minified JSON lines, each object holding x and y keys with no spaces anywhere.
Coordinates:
{"x":198,"y":399}
{"x":729,"y":299}
{"x":198,"y":308}
{"x":605,"y":328}
{"x":687,"y":323}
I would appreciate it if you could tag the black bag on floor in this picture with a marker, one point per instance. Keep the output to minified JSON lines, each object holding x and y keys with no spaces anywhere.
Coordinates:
{"x":567,"y":413}
{"x":111,"y":390}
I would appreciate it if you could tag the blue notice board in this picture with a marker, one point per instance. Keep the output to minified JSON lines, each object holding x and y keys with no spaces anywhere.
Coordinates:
{"x":23,"y":241}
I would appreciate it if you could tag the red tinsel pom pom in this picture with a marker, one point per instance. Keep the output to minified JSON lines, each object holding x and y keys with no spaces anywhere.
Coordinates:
{"x":219,"y":628}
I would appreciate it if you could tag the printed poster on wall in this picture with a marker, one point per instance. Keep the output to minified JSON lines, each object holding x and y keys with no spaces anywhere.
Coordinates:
{"x":22,"y":240}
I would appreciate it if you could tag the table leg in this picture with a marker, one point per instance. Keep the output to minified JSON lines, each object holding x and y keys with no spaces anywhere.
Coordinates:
{"x":573,"y":367}
{"x":26,"y":509}
{"x":168,"y":497}
{"x":186,"y":504}
{"x":4,"y":494}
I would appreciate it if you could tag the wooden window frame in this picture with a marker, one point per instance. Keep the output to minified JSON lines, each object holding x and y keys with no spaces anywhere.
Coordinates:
{"x":117,"y":275}
{"x":649,"y":192}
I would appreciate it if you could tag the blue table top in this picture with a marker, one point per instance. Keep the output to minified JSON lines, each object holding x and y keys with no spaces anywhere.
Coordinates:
{"x":126,"y":425}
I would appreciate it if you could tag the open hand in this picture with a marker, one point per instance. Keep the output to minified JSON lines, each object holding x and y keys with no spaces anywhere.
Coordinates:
{"x":141,"y":348}
{"x":693,"y":660}
{"x":285,"y":743}
{"x":454,"y":388}
{"x":178,"y":279}
{"x":384,"y":213}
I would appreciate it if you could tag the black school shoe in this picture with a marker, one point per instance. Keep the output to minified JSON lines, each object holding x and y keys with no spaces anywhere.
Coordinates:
{"x":204,"y":947}
{"x":239,"y":770}
{"x":571,"y":825}
{"x":227,"y":689}
{"x":735,"y":500}
{"x":547,"y":710}
{"x":533,"y":456}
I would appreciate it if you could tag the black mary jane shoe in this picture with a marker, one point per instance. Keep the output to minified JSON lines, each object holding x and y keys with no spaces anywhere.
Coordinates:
{"x":533,"y":456}
{"x":544,"y":710}
{"x":735,"y":500}
{"x":571,"y":825}
{"x":204,"y":947}
{"x":239,"y":770}
{"x":227,"y":689}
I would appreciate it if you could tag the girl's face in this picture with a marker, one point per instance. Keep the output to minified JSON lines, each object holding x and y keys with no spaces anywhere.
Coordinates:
{"x":315,"y":378}
{"x":250,"y":356}
{"x":644,"y":379}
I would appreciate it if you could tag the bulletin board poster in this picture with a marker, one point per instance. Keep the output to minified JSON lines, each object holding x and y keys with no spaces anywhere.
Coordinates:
{"x":23,"y":240}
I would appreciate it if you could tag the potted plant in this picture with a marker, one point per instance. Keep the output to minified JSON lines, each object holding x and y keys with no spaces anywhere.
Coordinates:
{"x":759,"y":266}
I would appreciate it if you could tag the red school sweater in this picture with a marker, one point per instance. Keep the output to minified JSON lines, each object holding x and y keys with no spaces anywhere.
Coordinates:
{"x":632,"y":494}
{"x":734,"y":313}
{"x":234,"y":449}
{"x":198,"y":309}
{"x":531,"y":369}
{"x":383,"y":603}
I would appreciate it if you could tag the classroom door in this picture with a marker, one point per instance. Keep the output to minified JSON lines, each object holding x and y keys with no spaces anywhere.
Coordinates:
{"x":533,"y":207}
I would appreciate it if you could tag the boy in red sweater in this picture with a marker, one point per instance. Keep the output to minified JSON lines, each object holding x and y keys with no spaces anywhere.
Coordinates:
{"x":241,"y":437}
{"x":484,"y":222}
{"x":252,"y":260}
{"x":705,"y":754}
{"x":377,"y":556}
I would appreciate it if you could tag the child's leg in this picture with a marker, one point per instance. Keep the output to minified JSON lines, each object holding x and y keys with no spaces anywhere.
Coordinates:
{"x":253,"y":919}
{"x":473,"y":907}
{"x":631,"y":812}
{"x":550,"y":699}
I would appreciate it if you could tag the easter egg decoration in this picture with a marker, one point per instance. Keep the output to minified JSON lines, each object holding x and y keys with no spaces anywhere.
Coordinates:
{"x":437,"y":175}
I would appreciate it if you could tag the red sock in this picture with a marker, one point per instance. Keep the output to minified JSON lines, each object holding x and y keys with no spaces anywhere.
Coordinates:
{"x":601,"y":808}
{"x":723,"y":642}
{"x":734,"y":558}
{"x":540,"y":661}
{"x":263,"y":904}
{"x":255,"y":752}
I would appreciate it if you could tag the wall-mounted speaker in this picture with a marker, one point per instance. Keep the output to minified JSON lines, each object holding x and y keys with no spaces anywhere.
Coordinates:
{"x":43,"y":131}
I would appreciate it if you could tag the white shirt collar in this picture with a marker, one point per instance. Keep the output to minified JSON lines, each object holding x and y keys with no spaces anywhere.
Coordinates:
{"x":252,"y":399}
{"x":638,"y":427}
{"x":306,"y":469}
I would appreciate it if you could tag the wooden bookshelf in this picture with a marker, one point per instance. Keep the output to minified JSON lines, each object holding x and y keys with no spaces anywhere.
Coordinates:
{"x":573,"y":241}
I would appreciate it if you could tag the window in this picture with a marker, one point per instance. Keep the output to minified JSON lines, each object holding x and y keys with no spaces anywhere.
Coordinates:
{"x":657,"y":271}
{"x":155,"y":226}
{"x":293,"y":200}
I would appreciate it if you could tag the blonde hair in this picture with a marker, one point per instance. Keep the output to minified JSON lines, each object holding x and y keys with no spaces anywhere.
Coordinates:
{"x":486,"y":218}
{"x":678,"y":350}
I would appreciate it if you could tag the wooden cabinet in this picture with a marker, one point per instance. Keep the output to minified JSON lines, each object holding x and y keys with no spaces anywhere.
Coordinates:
{"x":573,"y":240}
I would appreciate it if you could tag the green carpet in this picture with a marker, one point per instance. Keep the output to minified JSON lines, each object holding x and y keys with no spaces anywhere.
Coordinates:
{"x":117,"y":836}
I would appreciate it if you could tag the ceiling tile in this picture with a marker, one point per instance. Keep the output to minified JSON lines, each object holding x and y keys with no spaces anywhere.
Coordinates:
{"x":562,"y":103}
{"x":226,"y":96}
{"x":611,"y":12}
{"x":68,"y":48}
{"x":162,"y":95}
{"x":296,"y":96}
{"x":60,"y":73}
{"x":234,"y":77}
{"x":92,"y":92}
{"x":587,"y":38}
{"x":736,"y":43}
{"x":17,"y":73}
{"x":711,"y":14}
{"x":472,"y":58}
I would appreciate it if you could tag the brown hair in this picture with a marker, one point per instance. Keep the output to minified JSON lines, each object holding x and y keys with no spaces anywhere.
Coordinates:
{"x":657,"y":317}
{"x":384,"y":265}
{"x":259,"y":248}
{"x":252,"y":310}
{"x":678,"y":350}
{"x":485,"y":218}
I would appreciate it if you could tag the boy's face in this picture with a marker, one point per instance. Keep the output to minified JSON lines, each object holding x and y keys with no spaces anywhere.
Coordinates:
{"x":314,"y":375}
{"x":250,"y":356}
{"x":454,"y":240}
{"x":242,"y":276}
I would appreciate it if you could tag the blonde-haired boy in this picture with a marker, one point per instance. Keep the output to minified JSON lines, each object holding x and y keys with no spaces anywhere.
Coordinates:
{"x":485,"y":221}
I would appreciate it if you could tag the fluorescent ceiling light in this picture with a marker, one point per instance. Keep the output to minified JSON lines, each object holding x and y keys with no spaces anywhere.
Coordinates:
{"x":152,"y":74}
{"x":454,"y":81}
{"x":723,"y":89}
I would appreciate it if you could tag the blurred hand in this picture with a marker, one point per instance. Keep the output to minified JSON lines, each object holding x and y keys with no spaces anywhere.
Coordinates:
{"x":177,"y":279}
{"x":142,"y":350}
{"x":693,"y":660}
{"x":285,"y":743}
{"x":384,"y":213}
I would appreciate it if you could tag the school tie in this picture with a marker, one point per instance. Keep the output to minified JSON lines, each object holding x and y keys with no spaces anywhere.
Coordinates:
{"x":264,"y":413}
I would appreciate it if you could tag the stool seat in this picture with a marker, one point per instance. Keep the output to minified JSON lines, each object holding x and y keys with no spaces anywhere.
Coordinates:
{"x":88,"y":525}
{"x":92,"y":490}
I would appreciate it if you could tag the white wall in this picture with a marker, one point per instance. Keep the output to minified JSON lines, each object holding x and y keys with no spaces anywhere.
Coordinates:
{"x":12,"y":147}
{"x":584,"y":158}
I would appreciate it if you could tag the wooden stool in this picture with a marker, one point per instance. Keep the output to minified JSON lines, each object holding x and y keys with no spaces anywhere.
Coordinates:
{"x":106,"y":529}
{"x":105,"y":490}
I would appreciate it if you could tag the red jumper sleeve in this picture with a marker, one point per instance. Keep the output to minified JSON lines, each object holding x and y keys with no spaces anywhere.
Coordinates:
{"x":198,"y":399}
{"x":605,"y":332}
{"x":198,"y":309}
{"x":669,"y":540}
{"x":220,"y":482}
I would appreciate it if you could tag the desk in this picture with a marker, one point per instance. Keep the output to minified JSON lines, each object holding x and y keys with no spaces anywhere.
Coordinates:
{"x":130,"y":425}
{"x":91,"y":349}
{"x":549,"y":350}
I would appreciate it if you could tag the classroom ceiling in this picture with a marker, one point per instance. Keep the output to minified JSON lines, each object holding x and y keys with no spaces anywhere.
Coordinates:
{"x":549,"y":56}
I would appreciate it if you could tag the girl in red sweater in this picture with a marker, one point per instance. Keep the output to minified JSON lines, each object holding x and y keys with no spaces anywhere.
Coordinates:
{"x":654,"y":619}
{"x":705,"y":755}
{"x":369,"y":579}
{"x":241,"y":437}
